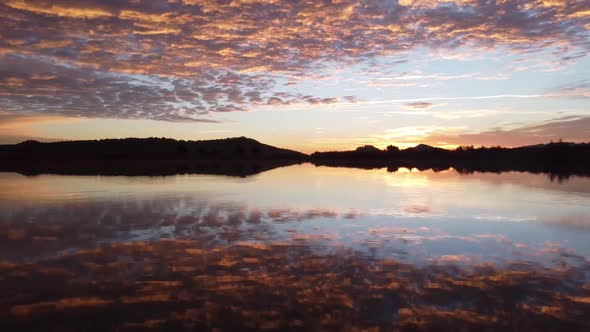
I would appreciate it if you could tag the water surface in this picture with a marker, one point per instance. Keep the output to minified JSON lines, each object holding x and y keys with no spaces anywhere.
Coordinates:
{"x":296,"y":248}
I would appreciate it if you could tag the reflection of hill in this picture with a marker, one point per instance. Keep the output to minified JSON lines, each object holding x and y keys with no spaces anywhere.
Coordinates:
{"x":144,"y":167}
{"x":150,"y":156}
{"x":243,"y":156}
{"x":555,"y":172}
{"x":559,"y":160}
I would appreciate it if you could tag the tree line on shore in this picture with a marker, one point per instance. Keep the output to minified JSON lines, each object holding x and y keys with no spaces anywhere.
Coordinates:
{"x":111,"y":156}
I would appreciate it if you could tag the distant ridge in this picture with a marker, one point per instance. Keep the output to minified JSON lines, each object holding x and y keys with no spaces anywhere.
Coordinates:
{"x":241,"y":156}
{"x":423,"y":148}
{"x":237,"y":148}
{"x":555,"y":158}
{"x":426,"y":152}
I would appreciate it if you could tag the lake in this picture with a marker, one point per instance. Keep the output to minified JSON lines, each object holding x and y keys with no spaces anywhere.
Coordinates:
{"x":301,"y":247}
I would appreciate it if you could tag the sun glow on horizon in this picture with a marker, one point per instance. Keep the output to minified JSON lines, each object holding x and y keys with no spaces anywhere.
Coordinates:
{"x":307,"y":77}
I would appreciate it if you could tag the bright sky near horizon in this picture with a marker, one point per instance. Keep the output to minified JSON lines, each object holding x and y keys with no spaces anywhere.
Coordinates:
{"x":305,"y":75}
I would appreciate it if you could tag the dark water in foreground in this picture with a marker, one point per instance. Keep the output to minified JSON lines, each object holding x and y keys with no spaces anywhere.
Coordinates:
{"x":296,"y":248}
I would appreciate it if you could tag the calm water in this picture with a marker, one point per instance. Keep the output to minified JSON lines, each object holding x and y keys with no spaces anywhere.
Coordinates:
{"x":296,"y":248}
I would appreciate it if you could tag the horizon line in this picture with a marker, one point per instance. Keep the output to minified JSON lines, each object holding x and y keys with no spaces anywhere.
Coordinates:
{"x":439,"y":146}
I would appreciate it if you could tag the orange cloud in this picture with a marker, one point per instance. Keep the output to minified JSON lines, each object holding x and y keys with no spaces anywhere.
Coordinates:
{"x":181,"y":60}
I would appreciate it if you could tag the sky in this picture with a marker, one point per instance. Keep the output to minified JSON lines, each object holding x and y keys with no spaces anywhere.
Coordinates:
{"x":306,"y":75}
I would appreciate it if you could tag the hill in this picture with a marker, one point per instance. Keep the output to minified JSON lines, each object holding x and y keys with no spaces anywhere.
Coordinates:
{"x":238,"y":156}
{"x":243,"y":156}
{"x":238,"y":148}
{"x":556,"y":158}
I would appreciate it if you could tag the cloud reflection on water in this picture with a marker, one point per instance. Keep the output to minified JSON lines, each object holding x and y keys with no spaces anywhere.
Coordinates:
{"x":207,"y":252}
{"x":285,"y":285}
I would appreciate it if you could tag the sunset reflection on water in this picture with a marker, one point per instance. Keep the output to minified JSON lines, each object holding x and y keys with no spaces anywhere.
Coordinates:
{"x":301,"y":248}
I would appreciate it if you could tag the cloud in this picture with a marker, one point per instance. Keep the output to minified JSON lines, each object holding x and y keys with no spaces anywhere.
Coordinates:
{"x":577,"y":89}
{"x":419,"y":105}
{"x":356,"y":103}
{"x":567,"y":128}
{"x":32,"y":85}
{"x":185,"y":60}
{"x":574,"y":128}
{"x":571,"y":128}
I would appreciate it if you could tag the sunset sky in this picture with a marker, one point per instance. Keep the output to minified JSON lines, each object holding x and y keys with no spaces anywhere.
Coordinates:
{"x":305,"y":75}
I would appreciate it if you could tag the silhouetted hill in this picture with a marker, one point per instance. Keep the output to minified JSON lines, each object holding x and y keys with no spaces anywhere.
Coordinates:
{"x":423,"y":148}
{"x":554,"y":158}
{"x":145,"y":156}
{"x":242,"y":156}
{"x":239,"y":148}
